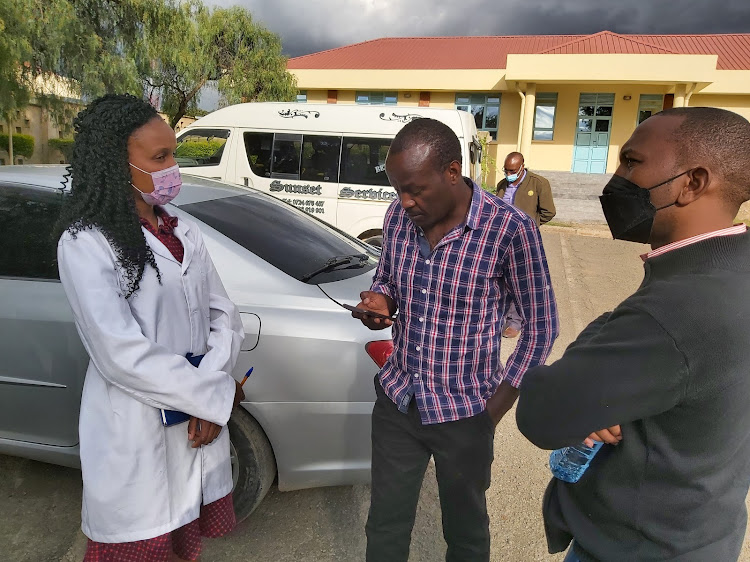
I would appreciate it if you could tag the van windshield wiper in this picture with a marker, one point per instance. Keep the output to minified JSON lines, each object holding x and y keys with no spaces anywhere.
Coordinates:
{"x":338,"y":262}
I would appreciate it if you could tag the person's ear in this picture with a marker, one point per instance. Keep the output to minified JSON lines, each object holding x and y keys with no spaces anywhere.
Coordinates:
{"x":454,"y":171}
{"x":698,"y":184}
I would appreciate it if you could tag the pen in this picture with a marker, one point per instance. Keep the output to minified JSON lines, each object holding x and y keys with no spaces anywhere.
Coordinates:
{"x":247,"y":376}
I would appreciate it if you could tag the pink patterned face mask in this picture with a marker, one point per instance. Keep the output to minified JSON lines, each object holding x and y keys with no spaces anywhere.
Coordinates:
{"x":167,"y":184}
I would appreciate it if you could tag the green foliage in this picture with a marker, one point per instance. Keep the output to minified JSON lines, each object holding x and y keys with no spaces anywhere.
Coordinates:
{"x":52,"y":51}
{"x":196,"y":45}
{"x":55,"y":50}
{"x":63,"y":145}
{"x":23,"y":145}
{"x":199,"y":148}
{"x":489,"y":164}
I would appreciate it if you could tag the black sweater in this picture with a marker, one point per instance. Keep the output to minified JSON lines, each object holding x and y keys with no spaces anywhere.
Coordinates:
{"x":671,"y":366}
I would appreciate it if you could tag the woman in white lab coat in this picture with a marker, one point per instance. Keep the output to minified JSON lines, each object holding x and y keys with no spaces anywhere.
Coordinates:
{"x":144,"y":294}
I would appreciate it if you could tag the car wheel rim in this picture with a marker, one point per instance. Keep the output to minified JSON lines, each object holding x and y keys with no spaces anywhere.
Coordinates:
{"x":235,"y":465}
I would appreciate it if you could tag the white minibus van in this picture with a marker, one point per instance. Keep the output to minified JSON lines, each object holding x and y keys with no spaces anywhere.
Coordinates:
{"x":328,"y":160}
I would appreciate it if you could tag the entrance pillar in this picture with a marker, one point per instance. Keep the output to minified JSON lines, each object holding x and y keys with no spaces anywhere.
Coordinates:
{"x":680,"y":92}
{"x":528,"y":119}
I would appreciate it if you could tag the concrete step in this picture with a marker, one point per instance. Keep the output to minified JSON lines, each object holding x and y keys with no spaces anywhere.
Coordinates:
{"x":576,"y":195}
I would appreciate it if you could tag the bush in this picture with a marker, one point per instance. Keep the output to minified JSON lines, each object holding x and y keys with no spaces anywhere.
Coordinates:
{"x":199,"y":149}
{"x":23,"y":145}
{"x":65,"y":146}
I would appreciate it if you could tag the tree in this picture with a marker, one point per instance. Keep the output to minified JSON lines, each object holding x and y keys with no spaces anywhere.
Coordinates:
{"x":55,"y":50}
{"x":191,"y":45}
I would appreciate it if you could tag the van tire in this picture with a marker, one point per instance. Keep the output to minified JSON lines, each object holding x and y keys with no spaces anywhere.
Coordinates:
{"x":255,"y":463}
{"x":376,"y":241}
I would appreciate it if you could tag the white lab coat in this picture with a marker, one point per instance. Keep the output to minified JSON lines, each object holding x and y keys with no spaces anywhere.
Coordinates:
{"x":141,"y":479}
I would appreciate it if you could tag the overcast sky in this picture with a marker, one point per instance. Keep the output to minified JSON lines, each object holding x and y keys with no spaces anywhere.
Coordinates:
{"x":307,"y":26}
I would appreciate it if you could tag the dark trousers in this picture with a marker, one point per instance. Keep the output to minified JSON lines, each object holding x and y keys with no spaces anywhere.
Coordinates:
{"x":401,"y":449}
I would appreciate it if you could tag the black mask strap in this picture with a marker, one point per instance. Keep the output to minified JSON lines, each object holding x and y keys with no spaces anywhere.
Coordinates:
{"x":669,"y":180}
{"x":665,"y":182}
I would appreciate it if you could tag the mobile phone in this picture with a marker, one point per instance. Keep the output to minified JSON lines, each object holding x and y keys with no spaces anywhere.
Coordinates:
{"x":366,"y":312}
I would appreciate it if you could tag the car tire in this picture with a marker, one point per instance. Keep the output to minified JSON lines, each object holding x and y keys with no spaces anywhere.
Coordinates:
{"x":253,"y":463}
{"x":376,"y":241}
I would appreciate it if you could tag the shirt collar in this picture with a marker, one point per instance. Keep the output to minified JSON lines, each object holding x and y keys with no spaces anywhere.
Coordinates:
{"x":730,"y":231}
{"x":475,"y":208}
{"x":167,"y":223}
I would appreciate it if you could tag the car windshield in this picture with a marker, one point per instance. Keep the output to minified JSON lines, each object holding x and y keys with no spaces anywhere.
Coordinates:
{"x":290,"y":240}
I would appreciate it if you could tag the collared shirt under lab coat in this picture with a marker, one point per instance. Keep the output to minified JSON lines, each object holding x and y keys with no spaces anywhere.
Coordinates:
{"x":141,"y":479}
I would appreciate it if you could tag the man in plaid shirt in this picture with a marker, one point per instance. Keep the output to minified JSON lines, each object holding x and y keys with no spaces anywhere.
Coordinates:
{"x":453,"y":258}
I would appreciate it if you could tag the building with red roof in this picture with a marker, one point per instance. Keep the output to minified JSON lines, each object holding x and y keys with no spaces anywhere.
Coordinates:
{"x":568,"y":102}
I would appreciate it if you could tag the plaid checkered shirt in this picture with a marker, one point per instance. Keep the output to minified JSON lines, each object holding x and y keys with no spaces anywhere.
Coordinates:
{"x":451,"y":303}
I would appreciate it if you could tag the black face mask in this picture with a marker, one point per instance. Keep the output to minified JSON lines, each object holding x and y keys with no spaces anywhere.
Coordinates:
{"x":628,"y":208}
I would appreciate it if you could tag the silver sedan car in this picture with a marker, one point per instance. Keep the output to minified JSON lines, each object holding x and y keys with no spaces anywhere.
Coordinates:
{"x":309,"y":399}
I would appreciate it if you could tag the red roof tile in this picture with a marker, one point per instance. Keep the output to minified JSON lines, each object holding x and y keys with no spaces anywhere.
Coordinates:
{"x":430,"y":53}
{"x":605,"y":43}
{"x":733,"y":49}
{"x":434,"y":53}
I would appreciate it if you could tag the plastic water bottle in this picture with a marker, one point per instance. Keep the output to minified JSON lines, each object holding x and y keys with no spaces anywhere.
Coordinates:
{"x":569,"y":463}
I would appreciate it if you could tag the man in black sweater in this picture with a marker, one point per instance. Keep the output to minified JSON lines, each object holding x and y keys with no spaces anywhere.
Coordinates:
{"x":667,"y":373}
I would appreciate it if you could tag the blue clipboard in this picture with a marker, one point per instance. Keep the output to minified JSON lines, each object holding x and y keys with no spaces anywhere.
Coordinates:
{"x":173,"y":417}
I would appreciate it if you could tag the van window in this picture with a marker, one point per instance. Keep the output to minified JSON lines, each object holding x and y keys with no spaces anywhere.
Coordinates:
{"x":363,"y":161}
{"x":320,"y":158}
{"x":258,"y":150}
{"x":287,"y":150}
{"x":201,"y":147}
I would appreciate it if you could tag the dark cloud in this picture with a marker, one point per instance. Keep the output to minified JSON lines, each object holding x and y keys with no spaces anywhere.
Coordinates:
{"x":307,"y":27}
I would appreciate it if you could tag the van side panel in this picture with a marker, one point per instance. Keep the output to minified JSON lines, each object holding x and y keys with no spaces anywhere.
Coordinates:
{"x":352,"y":196}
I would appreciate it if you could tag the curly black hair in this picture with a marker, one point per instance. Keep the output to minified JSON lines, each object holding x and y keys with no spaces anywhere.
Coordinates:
{"x":101,"y":193}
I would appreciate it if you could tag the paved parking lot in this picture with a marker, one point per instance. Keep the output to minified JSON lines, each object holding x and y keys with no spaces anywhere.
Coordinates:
{"x":40,"y":504}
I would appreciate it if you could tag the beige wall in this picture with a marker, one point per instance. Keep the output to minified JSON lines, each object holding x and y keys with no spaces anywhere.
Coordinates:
{"x":738,"y":104}
{"x":317,"y":96}
{"x":557,"y":154}
{"x":34,"y":121}
{"x":443,"y":99}
{"x":347,"y":96}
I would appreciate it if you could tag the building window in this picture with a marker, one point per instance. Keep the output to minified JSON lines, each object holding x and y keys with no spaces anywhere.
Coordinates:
{"x":544,"y":117}
{"x":377,"y":98}
{"x":484,"y":107}
{"x":648,"y":105}
{"x":302,"y":96}
{"x":2,"y":161}
{"x":18,"y":130}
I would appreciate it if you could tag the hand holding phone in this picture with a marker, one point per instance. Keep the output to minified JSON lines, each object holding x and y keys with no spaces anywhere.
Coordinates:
{"x":367,"y":313}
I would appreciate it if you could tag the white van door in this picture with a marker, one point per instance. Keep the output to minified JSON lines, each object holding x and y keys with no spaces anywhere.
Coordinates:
{"x":299,"y":168}
{"x":205,"y":152}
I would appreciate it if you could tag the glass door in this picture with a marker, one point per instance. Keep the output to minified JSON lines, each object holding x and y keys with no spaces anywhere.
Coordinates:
{"x":593,"y":127}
